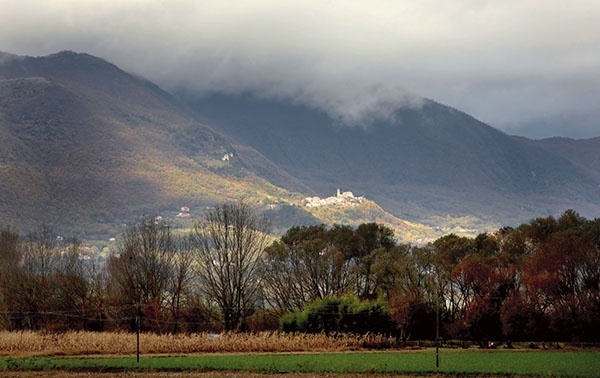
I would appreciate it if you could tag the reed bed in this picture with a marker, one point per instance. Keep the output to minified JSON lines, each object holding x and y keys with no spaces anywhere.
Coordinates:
{"x":29,"y":343}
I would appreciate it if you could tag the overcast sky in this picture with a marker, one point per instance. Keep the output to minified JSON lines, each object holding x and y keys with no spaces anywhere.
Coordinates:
{"x":527,"y":67}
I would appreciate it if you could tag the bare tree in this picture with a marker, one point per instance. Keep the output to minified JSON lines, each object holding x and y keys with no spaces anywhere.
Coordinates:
{"x":230,"y":242}
{"x":40,"y":254}
{"x":180,"y":279}
{"x":41,"y":258}
{"x":71,"y":292}
{"x":10,"y":256}
{"x":43,"y":283}
{"x":140,"y":274}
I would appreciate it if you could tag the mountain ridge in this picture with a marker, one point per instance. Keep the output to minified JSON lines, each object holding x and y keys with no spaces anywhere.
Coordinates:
{"x":88,"y":147}
{"x":436,"y":157}
{"x":83,"y":145}
{"x":583,"y":153}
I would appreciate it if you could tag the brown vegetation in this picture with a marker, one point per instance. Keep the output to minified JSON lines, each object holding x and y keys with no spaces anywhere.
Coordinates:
{"x":29,"y":343}
{"x":540,"y":281}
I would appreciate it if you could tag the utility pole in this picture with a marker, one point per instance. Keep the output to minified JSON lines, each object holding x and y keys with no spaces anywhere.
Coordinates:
{"x":137,"y":329}
{"x":137,"y":336}
{"x":437,"y":331}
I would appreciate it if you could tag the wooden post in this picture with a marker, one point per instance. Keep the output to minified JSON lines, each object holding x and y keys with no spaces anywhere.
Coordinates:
{"x":137,"y":332}
{"x":437,"y":331}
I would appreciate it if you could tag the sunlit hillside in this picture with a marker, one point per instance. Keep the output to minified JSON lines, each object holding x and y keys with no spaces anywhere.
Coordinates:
{"x":86,"y":147}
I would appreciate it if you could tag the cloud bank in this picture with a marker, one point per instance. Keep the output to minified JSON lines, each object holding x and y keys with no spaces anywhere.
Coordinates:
{"x":528,"y":67}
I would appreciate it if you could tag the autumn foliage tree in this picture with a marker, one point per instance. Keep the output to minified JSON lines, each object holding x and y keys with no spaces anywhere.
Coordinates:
{"x":538,"y":281}
{"x":561,"y":277}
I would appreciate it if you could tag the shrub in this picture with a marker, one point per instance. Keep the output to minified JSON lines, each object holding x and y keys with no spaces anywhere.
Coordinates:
{"x":345,"y":314}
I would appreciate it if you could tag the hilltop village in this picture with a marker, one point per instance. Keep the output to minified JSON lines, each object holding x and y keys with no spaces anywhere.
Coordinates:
{"x":340,"y":199}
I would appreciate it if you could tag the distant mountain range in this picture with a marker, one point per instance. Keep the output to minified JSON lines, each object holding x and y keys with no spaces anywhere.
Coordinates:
{"x":87,"y":147}
{"x":425,"y":162}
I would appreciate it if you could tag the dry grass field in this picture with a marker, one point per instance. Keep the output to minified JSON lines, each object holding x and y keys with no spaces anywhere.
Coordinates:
{"x":27,"y":343}
{"x":63,"y":355}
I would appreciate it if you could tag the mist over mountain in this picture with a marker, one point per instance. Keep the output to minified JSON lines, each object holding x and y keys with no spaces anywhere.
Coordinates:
{"x":88,"y":147}
{"x":423,"y":161}
{"x":532,"y":76}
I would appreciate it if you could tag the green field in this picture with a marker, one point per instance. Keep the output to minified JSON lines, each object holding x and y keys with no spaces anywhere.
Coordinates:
{"x":563,"y":364}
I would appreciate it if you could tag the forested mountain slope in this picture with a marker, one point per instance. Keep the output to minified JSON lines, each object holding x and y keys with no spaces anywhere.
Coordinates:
{"x":85,"y":147}
{"x":425,"y":161}
{"x":583,"y":153}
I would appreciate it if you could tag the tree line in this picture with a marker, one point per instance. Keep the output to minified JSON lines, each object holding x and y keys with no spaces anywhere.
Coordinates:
{"x":538,"y":281}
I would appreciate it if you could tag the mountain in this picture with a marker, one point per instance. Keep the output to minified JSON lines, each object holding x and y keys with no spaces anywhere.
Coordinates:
{"x":85,"y":147}
{"x":582,"y":153}
{"x":424,"y":162}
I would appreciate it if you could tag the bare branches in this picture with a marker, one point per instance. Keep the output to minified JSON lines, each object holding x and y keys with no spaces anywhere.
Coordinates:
{"x":230,"y":243}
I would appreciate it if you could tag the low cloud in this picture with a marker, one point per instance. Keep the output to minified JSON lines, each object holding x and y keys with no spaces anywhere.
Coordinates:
{"x":514,"y":64}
